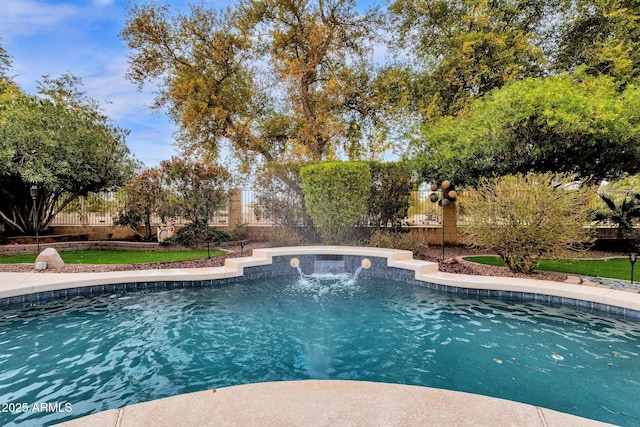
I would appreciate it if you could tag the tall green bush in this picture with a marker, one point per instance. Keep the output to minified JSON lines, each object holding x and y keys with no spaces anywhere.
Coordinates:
{"x":391,"y":186}
{"x":524,"y":218}
{"x":335,"y":195}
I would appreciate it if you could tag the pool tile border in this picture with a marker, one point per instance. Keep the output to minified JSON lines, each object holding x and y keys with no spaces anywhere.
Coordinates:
{"x":28,"y":288}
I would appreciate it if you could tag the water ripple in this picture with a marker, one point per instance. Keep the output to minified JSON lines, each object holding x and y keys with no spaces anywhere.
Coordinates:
{"x":115,"y":350}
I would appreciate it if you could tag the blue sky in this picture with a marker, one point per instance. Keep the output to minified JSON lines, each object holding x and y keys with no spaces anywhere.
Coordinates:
{"x":81,"y":37}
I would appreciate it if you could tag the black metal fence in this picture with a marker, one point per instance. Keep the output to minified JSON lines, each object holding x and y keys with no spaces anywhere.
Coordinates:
{"x":102,"y":208}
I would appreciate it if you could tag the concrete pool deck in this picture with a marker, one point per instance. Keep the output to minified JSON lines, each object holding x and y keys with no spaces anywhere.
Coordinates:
{"x":330,"y":403}
{"x":314,"y":402}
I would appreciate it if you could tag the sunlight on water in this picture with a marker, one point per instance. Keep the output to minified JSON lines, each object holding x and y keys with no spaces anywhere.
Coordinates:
{"x":114,"y":350}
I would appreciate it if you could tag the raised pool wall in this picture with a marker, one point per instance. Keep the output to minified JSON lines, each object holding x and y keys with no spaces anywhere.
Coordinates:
{"x":26,"y":288}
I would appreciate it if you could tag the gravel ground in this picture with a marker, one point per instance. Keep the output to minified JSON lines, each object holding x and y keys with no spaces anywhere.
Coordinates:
{"x":453,"y":263}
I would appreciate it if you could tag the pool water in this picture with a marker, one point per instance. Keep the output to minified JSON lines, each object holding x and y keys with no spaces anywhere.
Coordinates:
{"x":114,"y":350}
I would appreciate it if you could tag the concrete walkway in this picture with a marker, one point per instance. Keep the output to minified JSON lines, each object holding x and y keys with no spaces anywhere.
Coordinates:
{"x":330,"y":403}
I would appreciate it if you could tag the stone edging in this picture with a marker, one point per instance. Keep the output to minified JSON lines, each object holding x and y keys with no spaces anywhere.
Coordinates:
{"x":400,"y":265}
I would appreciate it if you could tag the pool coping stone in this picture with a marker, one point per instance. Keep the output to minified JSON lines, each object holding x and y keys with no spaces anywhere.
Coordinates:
{"x":29,"y":285}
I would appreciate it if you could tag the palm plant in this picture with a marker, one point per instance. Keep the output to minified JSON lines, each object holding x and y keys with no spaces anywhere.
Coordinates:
{"x":624,"y":214}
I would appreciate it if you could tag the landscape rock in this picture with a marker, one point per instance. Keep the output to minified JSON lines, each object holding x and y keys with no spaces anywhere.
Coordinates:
{"x":165,"y":231}
{"x":41,"y":266}
{"x":51,"y":257}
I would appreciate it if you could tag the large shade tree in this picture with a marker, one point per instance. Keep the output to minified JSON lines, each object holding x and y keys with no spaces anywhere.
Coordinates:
{"x":601,"y":36}
{"x":5,"y":62}
{"x":60,"y":142}
{"x":574,"y":124}
{"x":459,"y":50}
{"x":270,"y":78}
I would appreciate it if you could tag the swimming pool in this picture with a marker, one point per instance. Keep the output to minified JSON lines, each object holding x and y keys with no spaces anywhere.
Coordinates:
{"x":121,"y":348}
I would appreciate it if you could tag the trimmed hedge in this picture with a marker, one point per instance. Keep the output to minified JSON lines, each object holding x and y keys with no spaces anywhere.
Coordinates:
{"x":388,"y":203}
{"x":335,"y":195}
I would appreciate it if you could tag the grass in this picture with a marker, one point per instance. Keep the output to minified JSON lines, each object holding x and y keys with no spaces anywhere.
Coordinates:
{"x":93,"y":256}
{"x":614,"y":268}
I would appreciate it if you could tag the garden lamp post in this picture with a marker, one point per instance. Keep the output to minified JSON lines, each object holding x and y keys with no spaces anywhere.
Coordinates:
{"x":633,"y":257}
{"x":34,"y":195}
{"x":205,"y":193}
{"x":449,"y":196}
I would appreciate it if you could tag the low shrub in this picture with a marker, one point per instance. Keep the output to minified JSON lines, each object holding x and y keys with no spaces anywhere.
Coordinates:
{"x":285,"y":236}
{"x":524,"y":218}
{"x":197,"y":233}
{"x":394,"y":239}
{"x":238,"y":231}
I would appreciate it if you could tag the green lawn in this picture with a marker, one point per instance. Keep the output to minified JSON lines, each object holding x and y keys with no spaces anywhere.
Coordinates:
{"x":115,"y":257}
{"x":615,"y":268}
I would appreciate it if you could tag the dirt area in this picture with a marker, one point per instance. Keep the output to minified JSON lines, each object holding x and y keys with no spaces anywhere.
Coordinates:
{"x":453,"y":263}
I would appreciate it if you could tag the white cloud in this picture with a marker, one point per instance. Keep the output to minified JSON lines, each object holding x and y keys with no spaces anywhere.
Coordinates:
{"x":30,"y":17}
{"x":151,"y":138}
{"x":81,"y":37}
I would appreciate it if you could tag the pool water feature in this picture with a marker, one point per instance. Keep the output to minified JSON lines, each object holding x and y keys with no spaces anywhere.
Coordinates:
{"x":118,"y":349}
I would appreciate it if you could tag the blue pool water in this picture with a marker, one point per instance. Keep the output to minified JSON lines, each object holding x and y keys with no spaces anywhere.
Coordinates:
{"x":113,"y":350}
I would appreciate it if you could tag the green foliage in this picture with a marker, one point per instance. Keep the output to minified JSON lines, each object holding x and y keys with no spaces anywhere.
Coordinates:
{"x":5,"y":63}
{"x":624,"y":213}
{"x":62,"y":143}
{"x":273,"y":78}
{"x":629,"y":182}
{"x":615,"y":268}
{"x":280,"y":197}
{"x":524,"y":218}
{"x":574,"y":124}
{"x":285,"y":236}
{"x":179,"y":188}
{"x":144,"y":196}
{"x":602,"y":38}
{"x":197,"y":233}
{"x":463,"y":49}
{"x":335,"y":195}
{"x":192,"y":189}
{"x":388,"y":201}
{"x":238,"y":232}
{"x":91,"y":256}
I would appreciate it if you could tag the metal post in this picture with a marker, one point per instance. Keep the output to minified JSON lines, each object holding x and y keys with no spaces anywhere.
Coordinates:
{"x":34,"y":195}
{"x":443,"y":206}
{"x":448,"y":196}
{"x":206,"y":194}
